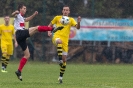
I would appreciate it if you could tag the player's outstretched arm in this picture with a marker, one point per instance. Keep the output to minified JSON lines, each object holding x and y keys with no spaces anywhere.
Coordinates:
{"x":15,"y":13}
{"x":16,"y":43}
{"x":31,"y":17}
{"x":78,"y":22}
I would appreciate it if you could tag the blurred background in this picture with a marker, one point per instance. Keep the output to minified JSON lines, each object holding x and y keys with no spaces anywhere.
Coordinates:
{"x":105,"y":36}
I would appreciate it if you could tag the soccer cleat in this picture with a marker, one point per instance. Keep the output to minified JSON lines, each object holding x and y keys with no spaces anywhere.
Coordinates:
{"x":57,"y":28}
{"x":4,"y":71}
{"x":60,"y":80}
{"x":18,"y":73}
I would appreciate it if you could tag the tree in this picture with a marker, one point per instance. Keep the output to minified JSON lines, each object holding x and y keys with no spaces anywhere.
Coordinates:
{"x":126,"y":6}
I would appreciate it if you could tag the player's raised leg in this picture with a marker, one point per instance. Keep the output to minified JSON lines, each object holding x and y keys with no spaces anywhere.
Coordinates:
{"x":33,"y":30}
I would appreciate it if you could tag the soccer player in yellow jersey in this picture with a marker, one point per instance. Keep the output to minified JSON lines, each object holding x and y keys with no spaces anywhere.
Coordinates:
{"x":61,"y":38}
{"x":7,"y":33}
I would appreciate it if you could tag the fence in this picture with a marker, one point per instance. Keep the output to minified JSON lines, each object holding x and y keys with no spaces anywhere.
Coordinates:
{"x":82,"y":51}
{"x":98,"y":40}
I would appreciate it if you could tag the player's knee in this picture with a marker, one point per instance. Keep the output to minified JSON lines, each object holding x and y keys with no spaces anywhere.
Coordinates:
{"x":59,"y":41}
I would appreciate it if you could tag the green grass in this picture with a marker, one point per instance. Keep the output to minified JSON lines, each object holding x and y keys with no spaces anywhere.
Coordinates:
{"x":43,"y":75}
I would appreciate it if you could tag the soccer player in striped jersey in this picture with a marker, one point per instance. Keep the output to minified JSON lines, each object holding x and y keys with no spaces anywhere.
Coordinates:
{"x":7,"y":32}
{"x":22,"y":34}
{"x":61,"y":38}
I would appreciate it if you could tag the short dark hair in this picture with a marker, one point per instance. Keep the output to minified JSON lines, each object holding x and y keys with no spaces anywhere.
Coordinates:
{"x":6,"y":15}
{"x":20,"y":6}
{"x":66,"y":6}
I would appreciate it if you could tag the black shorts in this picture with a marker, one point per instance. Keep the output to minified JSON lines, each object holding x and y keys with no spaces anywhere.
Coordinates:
{"x":21,"y":36}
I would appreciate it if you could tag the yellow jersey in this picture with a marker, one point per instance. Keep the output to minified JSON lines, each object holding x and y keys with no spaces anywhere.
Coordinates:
{"x":66,"y":30}
{"x":7,"y":33}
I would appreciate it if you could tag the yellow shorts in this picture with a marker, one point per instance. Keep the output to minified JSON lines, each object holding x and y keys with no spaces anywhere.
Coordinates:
{"x":64,"y":42}
{"x":7,"y":48}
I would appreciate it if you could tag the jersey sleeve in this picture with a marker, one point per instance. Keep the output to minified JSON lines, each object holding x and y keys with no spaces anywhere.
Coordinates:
{"x":54,"y":21}
{"x":73,"y":22}
{"x":16,"y":15}
{"x":0,"y":29}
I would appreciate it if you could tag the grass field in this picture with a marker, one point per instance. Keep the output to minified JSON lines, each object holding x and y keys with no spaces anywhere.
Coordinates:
{"x":42,"y":75}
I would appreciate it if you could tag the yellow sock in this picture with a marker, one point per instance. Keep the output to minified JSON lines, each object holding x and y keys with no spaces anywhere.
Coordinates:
{"x":7,"y":60}
{"x":3,"y":59}
{"x":62,"y":69}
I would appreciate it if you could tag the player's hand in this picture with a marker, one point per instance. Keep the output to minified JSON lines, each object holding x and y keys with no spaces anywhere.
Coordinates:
{"x":49,"y":33}
{"x":79,"y":19}
{"x":16,"y":44}
{"x":36,"y":12}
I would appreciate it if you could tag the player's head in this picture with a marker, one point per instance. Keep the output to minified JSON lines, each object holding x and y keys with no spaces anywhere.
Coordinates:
{"x":66,"y":10}
{"x":22,"y":8}
{"x":6,"y":19}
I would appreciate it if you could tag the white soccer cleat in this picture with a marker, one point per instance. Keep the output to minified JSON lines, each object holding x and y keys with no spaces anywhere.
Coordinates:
{"x":60,"y":80}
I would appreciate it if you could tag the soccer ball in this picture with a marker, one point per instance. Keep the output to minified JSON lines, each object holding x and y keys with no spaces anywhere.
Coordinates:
{"x":64,"y":20}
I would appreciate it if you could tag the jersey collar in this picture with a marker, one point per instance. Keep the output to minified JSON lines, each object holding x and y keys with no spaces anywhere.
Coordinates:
{"x":21,"y":14}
